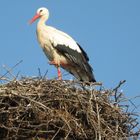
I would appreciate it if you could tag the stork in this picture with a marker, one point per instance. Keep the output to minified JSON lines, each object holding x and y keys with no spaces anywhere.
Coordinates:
{"x":61,"y":49}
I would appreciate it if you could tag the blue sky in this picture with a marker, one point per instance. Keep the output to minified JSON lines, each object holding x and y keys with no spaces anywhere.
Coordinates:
{"x":108,"y":30}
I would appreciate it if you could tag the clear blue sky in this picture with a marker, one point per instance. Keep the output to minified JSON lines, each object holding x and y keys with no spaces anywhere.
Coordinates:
{"x":108,"y":30}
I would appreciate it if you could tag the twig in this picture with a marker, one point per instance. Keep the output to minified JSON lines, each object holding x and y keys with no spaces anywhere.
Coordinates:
{"x":116,"y":89}
{"x":31,"y":100}
{"x":98,"y":118}
{"x":11,"y":69}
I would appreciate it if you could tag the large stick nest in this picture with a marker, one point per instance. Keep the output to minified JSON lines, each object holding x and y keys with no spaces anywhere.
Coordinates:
{"x":34,"y":108}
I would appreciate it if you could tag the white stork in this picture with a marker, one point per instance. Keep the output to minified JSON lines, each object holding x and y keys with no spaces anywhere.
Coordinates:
{"x":62,"y":50}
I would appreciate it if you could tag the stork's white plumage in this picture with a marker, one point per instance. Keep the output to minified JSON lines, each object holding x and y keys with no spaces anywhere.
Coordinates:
{"x":62,"y":50}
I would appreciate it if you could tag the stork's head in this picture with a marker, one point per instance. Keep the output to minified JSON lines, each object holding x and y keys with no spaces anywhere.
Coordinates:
{"x":41,"y":12}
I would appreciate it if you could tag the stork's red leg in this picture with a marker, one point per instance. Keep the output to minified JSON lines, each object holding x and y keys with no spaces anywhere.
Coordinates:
{"x":59,"y":73}
{"x":58,"y":69}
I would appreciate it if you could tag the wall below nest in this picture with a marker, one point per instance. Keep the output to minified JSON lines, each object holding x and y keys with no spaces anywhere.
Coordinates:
{"x":35,"y":108}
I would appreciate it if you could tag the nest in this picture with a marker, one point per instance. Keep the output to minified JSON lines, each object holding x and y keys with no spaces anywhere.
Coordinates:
{"x":39,"y":109}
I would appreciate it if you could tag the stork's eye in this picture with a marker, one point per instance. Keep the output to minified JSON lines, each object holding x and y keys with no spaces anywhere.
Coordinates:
{"x":40,"y":10}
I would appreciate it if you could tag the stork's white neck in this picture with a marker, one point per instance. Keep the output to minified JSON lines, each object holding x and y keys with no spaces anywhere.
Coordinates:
{"x":43,"y":20}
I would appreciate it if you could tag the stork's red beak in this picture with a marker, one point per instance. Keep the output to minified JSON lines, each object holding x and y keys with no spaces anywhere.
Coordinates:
{"x":34,"y":18}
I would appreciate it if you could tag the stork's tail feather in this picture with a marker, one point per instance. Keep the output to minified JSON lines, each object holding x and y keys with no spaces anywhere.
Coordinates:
{"x":88,"y":72}
{"x":93,"y":80}
{"x":87,"y":77}
{"x":83,"y":75}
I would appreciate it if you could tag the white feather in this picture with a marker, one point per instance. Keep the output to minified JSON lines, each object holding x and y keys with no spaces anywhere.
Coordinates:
{"x":58,"y":37}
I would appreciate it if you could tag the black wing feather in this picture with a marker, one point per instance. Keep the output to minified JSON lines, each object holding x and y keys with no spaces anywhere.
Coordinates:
{"x":81,"y":59}
{"x":84,"y":53}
